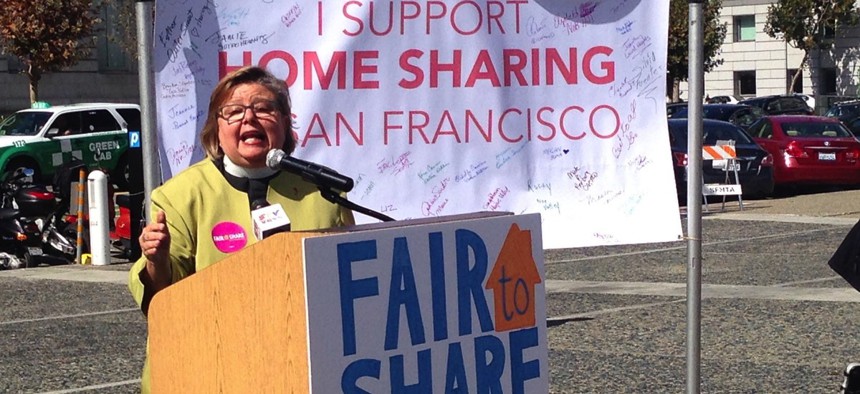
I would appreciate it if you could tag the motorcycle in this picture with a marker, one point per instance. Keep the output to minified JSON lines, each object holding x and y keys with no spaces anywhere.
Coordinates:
{"x":16,"y":247}
{"x":31,"y":225}
{"x":21,"y":222}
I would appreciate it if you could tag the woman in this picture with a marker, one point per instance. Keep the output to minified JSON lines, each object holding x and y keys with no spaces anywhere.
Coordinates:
{"x":203,"y":214}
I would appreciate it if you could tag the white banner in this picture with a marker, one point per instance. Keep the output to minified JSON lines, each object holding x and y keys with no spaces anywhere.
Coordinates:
{"x":443,"y":107}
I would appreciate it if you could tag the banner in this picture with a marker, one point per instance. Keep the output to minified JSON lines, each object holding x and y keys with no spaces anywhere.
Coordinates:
{"x":435,"y":108}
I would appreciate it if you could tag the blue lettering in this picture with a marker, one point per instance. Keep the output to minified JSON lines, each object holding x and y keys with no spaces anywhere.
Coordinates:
{"x":425,"y":376}
{"x":356,"y":370}
{"x":437,"y":278}
{"x":455,"y":377}
{"x":520,"y":372}
{"x":350,"y":289}
{"x":489,"y":375}
{"x":470,"y":282}
{"x":402,"y":291}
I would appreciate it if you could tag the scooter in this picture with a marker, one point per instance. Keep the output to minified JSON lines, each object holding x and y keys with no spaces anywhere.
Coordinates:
{"x":15,"y":250}
{"x":23,"y":220}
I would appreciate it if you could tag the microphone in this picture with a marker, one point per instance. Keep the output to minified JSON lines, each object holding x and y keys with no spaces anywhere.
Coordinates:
{"x":268,"y":219}
{"x":319,"y":175}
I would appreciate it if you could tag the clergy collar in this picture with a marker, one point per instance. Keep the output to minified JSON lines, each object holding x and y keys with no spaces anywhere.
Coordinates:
{"x":243,"y":172}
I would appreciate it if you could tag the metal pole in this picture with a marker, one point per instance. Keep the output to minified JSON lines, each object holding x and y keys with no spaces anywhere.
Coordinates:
{"x":149,"y":135}
{"x":694,"y":194}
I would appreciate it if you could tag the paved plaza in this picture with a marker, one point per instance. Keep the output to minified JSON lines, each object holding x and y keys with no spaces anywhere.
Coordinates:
{"x":775,"y":318}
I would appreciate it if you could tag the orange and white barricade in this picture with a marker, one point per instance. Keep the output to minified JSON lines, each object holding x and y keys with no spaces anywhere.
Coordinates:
{"x":723,"y":156}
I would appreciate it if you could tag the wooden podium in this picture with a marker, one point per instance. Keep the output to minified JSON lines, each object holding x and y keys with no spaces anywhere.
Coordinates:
{"x":252,"y":322}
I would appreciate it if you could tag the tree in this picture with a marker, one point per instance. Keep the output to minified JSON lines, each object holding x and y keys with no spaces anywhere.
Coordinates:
{"x":807,"y":24}
{"x":677,"y":67}
{"x":46,"y":35}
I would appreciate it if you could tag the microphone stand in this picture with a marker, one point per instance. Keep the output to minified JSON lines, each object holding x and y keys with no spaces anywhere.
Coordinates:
{"x":336,"y":198}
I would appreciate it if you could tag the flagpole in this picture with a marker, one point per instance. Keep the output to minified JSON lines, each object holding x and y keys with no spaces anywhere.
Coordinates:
{"x":695,"y":89}
{"x":149,"y":135}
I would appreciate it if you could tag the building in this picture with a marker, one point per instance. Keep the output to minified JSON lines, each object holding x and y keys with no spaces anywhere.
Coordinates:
{"x":755,"y":64}
{"x":108,"y":75}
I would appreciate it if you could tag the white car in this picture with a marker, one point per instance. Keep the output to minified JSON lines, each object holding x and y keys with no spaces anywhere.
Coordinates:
{"x":43,"y":139}
{"x":723,"y":100}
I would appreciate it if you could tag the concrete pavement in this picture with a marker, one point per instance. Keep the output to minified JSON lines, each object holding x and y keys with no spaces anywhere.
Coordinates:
{"x":775,"y":318}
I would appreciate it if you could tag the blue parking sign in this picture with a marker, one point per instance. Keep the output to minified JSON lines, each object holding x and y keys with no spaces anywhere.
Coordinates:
{"x":134,"y":139}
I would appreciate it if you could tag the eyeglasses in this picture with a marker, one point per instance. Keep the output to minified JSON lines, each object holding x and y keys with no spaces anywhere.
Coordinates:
{"x":264,"y":109}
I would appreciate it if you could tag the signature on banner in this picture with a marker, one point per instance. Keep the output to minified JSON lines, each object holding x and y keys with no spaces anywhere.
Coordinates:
{"x":549,"y":205}
{"x":436,"y":204}
{"x":494,"y":199}
{"x":432,"y":170}
{"x":471,"y":172}
{"x":396,"y":165}
{"x":180,"y":153}
{"x":584,"y":178}
{"x":537,"y":186}
{"x":292,"y":15}
{"x":508,"y":154}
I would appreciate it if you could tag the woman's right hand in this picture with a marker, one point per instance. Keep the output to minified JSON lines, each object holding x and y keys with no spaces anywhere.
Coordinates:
{"x":155,"y":244}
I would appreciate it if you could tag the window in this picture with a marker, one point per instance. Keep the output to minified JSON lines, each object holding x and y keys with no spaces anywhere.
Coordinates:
{"x":827,"y":81}
{"x":132,"y":118}
{"x":745,"y":83}
{"x":789,"y":75}
{"x":99,"y":120}
{"x":744,"y":28}
{"x":829,"y":32}
{"x":65,"y":124}
{"x":111,"y":56}
{"x":762,"y":129}
{"x":723,"y":132}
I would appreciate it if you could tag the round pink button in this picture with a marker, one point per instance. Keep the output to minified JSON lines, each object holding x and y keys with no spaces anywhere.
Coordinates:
{"x":229,"y":237}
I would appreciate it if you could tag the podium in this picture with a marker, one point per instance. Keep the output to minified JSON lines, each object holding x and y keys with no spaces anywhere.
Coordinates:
{"x":442,"y":304}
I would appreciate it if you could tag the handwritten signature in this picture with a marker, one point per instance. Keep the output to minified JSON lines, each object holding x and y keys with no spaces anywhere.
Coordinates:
{"x":494,"y":199}
{"x":584,"y":178}
{"x":471,"y":172}
{"x":292,"y":15}
{"x":507,"y":155}
{"x":436,"y":204}
{"x":432,"y":171}
{"x":396,"y":165}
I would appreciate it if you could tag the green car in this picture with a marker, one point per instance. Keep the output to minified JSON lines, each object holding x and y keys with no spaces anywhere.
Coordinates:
{"x":46,"y":138}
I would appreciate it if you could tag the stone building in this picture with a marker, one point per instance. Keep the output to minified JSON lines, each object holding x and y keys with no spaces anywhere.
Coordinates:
{"x":756,"y":64}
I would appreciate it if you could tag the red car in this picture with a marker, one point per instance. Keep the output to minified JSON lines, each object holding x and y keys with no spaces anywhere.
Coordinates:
{"x":809,"y":149}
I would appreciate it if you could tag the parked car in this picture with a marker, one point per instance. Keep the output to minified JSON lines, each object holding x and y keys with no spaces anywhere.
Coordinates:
{"x":755,"y":165}
{"x":786,"y":104}
{"x":672,"y":108}
{"x":809,"y":149}
{"x":730,"y":99}
{"x":739,"y":114}
{"x":844,"y":109}
{"x":848,"y":112}
{"x":853,"y":124}
{"x":45,"y":138}
{"x":810,"y":100}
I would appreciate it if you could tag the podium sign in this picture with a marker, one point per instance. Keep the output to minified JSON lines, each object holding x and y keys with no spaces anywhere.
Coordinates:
{"x":442,"y":307}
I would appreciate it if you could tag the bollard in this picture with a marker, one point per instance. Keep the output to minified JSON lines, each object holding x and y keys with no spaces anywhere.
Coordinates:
{"x":97,"y":197}
{"x":82,"y":176}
